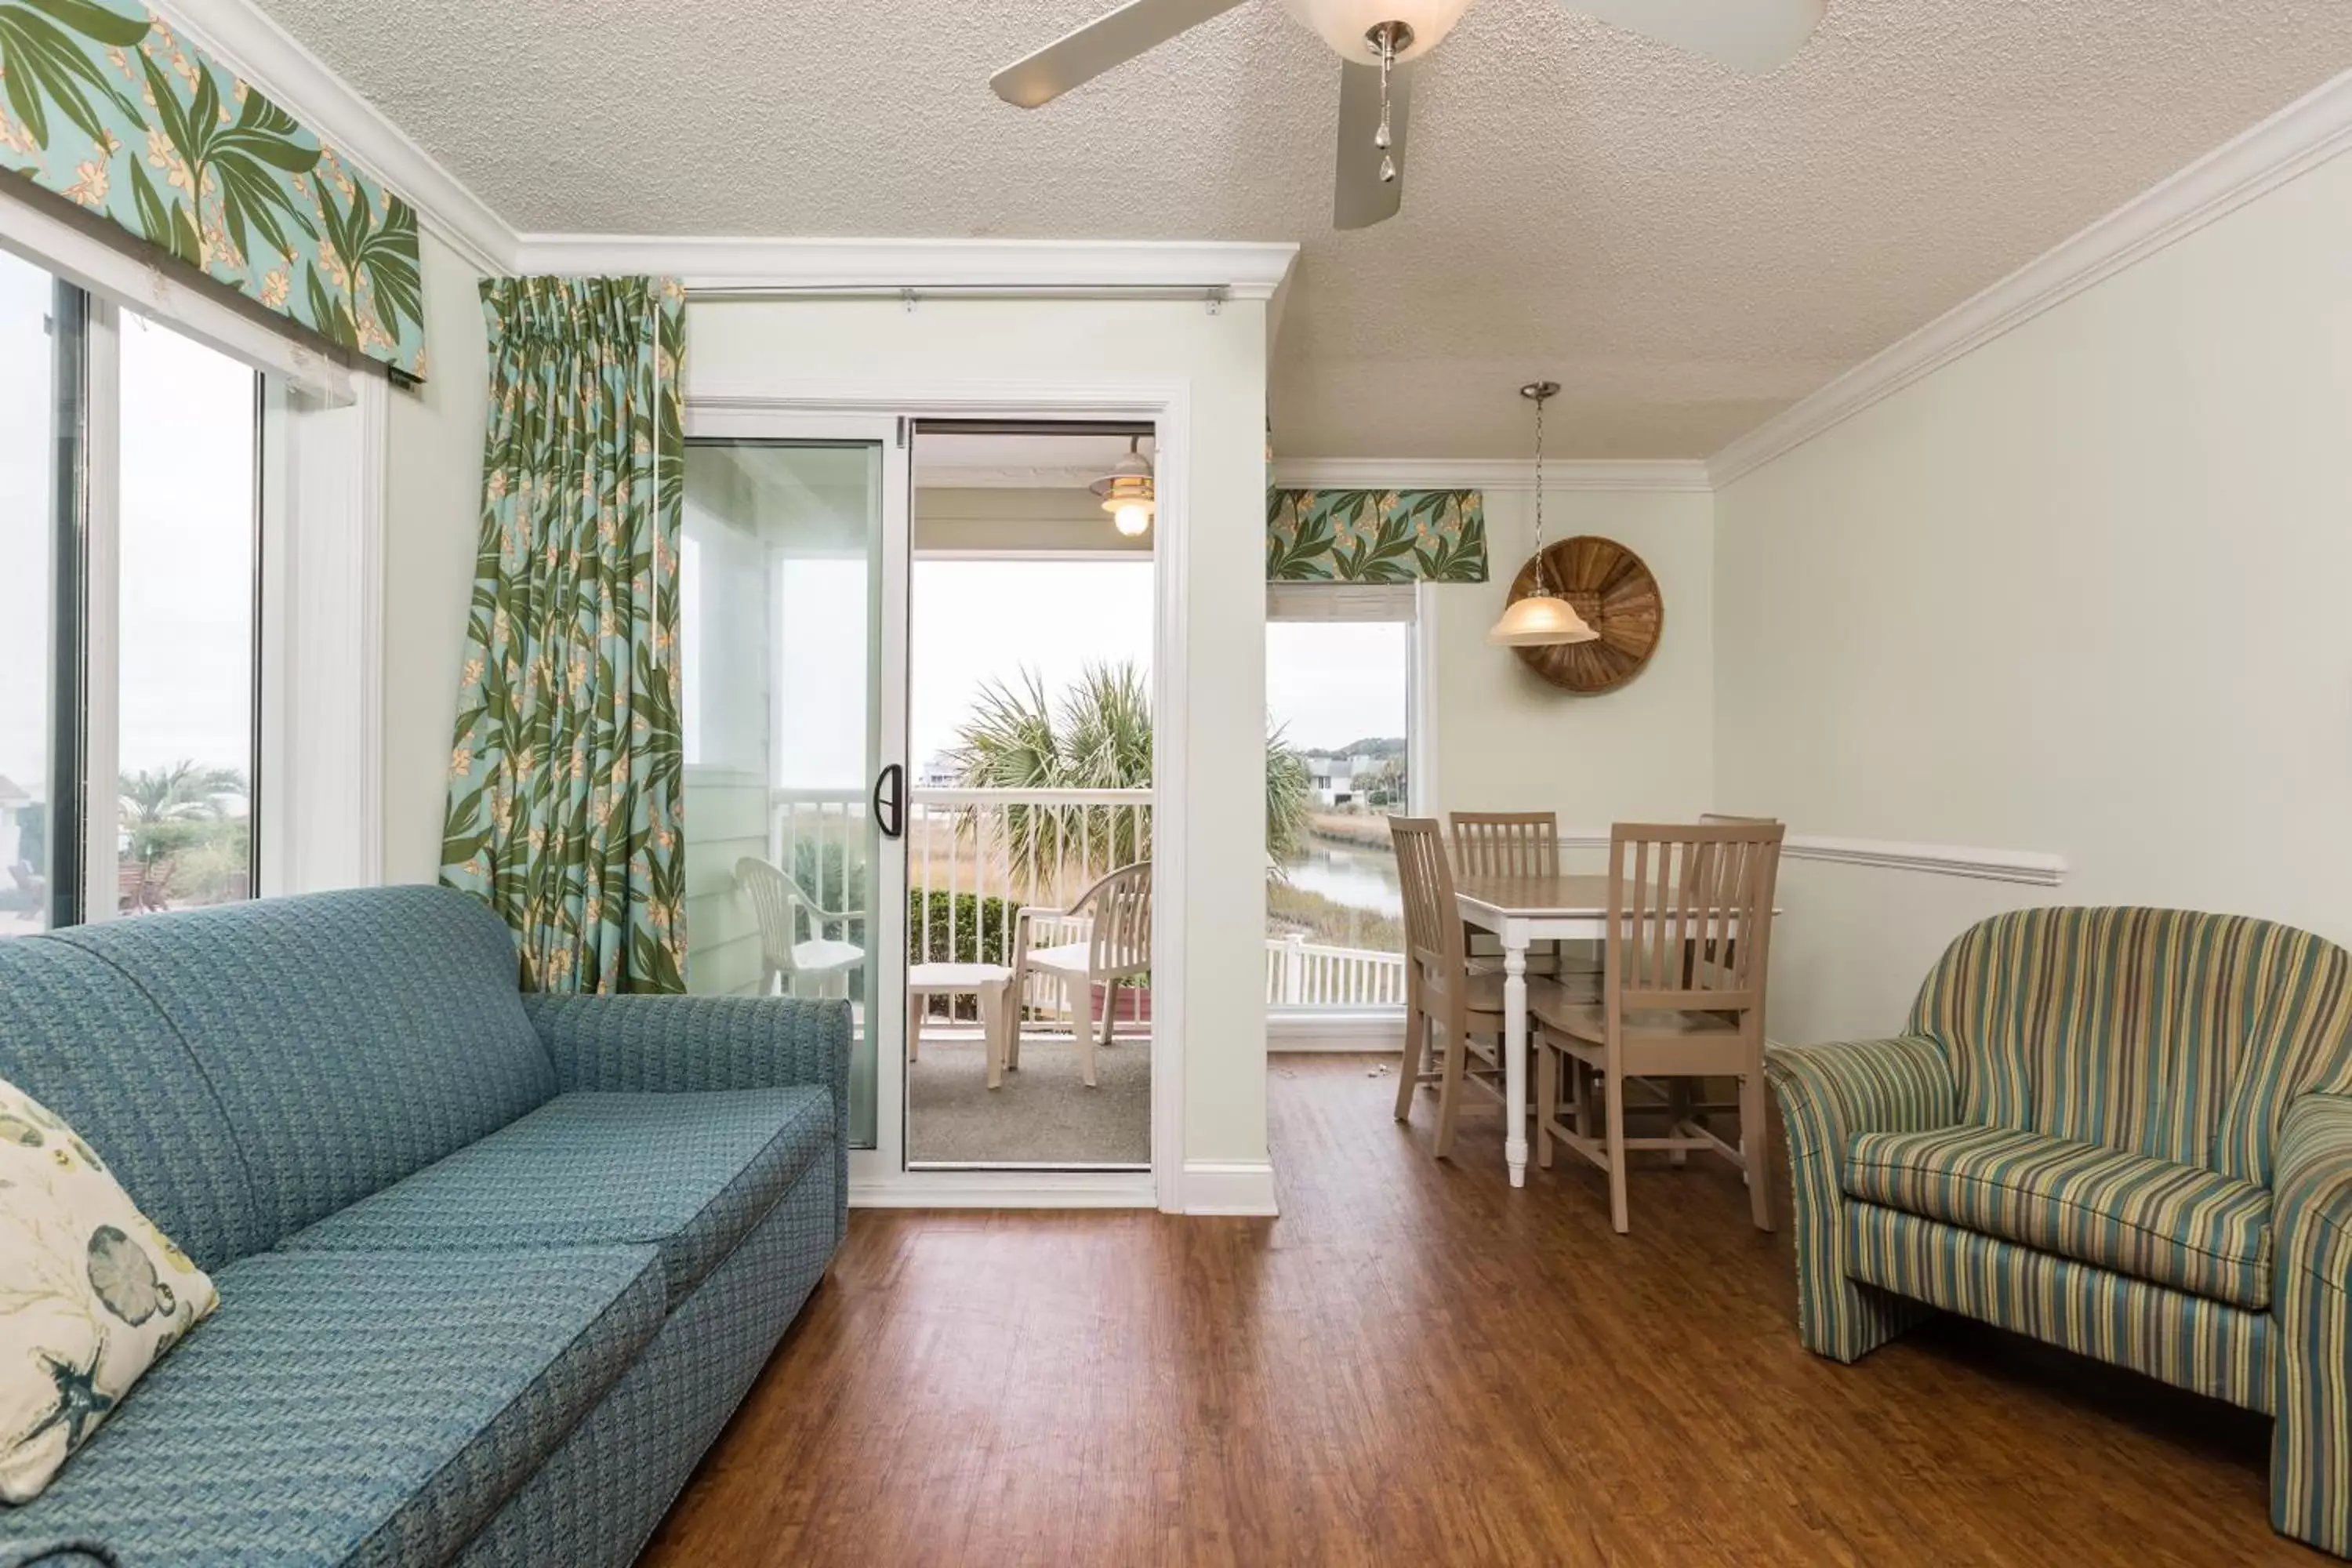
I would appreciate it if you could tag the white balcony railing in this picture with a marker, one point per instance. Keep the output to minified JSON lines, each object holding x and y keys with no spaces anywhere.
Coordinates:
{"x":1300,"y":974}
{"x":974,"y":856}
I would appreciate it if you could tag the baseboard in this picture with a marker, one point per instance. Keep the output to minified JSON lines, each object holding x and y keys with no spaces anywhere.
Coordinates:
{"x":1229,"y":1187}
{"x":1007,"y":1190}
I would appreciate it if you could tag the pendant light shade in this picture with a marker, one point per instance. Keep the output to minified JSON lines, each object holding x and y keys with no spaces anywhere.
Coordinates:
{"x":1539,"y":621}
{"x":1542,"y":620}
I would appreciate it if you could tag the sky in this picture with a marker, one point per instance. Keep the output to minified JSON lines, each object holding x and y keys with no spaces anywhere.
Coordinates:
{"x":187,"y":543}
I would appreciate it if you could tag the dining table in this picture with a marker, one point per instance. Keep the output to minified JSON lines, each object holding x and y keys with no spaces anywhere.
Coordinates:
{"x":1519,"y":912}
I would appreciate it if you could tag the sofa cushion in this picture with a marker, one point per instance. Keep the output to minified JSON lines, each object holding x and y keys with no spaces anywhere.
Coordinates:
{"x":690,"y":1173}
{"x":352,"y":1037}
{"x":2181,"y":1225}
{"x":81,"y":1039}
{"x":364,"y":1408}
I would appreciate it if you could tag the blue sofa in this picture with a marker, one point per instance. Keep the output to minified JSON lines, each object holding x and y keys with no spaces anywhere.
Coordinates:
{"x":494,"y":1268}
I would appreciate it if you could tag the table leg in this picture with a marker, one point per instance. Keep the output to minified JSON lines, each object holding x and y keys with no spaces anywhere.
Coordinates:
{"x":992,"y":1029}
{"x":1515,"y":1056}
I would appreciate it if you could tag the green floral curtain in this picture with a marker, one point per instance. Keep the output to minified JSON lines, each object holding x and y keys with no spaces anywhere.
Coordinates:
{"x":107,"y":109}
{"x":1375,"y":536}
{"x":565,"y":782}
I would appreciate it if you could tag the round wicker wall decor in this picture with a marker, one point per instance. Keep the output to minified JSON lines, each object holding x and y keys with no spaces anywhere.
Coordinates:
{"x":1608,"y":585}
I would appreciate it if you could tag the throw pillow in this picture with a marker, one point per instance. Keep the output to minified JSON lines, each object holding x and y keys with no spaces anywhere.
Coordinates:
{"x":90,"y":1296}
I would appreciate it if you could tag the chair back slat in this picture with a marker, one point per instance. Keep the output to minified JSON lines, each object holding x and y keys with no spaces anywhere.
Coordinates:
{"x":1120,"y":935}
{"x":1506,"y":843}
{"x":771,"y":892}
{"x":1690,"y":914}
{"x":1432,"y":928}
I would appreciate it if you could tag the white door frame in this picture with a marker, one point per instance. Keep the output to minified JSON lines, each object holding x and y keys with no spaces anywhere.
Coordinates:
{"x":879,"y":1178}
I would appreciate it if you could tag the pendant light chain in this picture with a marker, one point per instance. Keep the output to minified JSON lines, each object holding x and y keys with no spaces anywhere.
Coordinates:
{"x":1540,"y":392}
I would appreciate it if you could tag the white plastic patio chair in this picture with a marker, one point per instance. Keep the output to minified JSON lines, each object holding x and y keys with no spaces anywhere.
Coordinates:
{"x":785,"y":965}
{"x":1118,"y":946}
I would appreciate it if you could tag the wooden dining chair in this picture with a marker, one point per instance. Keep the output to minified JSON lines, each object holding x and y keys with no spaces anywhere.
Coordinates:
{"x":1462,"y":1007}
{"x":1506,"y":843}
{"x":1682,"y":996}
{"x":1516,"y":844}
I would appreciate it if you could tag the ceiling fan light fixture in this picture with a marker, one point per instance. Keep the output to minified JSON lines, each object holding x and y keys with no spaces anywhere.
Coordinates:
{"x":1127,"y":492}
{"x":1347,"y":26}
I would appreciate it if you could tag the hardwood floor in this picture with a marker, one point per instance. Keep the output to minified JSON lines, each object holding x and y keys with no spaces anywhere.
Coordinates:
{"x":1417,"y":1365}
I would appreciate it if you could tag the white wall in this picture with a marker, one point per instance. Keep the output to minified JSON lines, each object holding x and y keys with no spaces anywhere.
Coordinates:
{"x":849,"y":347}
{"x":432,"y":529}
{"x":1508,"y":741}
{"x":2082,"y":591}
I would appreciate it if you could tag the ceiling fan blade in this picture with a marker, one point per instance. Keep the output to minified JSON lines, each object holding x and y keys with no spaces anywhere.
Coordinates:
{"x":1107,"y":41}
{"x":1360,"y":197}
{"x":1747,"y":35}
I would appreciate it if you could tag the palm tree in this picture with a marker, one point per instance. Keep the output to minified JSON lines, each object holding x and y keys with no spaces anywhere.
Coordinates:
{"x":1099,"y":738}
{"x":181,"y":793}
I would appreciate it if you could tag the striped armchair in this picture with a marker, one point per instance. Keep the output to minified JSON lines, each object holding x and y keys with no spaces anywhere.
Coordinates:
{"x":2127,"y":1131}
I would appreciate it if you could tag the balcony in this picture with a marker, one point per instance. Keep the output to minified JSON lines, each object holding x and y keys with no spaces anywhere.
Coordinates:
{"x":976,"y":856}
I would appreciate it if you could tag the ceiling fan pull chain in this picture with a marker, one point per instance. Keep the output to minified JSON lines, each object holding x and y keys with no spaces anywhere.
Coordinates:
{"x":1380,"y":138}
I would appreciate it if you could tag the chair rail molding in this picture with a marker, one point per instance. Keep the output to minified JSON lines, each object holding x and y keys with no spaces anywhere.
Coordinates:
{"x":2035,"y":868}
{"x":1503,"y":473}
{"x":2300,"y":137}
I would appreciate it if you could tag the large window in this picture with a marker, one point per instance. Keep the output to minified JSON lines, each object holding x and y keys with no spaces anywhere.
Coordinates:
{"x":129,"y":510}
{"x":1340,"y":680}
{"x":30,"y":438}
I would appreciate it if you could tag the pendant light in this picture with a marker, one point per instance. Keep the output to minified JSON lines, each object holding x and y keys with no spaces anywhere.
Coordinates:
{"x":1126,"y":492}
{"x":1542,"y":618}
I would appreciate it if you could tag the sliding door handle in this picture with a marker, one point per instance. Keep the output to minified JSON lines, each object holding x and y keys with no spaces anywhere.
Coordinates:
{"x":890,"y":801}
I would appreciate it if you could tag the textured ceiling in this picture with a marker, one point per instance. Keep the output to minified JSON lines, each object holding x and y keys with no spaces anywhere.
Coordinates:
{"x":1687,"y":249}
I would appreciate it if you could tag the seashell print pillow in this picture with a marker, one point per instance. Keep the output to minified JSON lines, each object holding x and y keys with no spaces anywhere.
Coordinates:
{"x":91,"y":1294}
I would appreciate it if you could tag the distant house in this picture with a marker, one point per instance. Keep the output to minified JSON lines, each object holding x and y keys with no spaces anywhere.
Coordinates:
{"x":13,"y":802}
{"x":938,"y":773}
{"x":1340,"y":780}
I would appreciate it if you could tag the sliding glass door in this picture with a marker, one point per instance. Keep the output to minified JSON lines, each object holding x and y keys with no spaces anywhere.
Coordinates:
{"x":792,"y":625}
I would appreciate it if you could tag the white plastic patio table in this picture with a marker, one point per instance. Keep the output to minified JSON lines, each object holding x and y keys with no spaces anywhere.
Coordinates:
{"x":988,"y":981}
{"x":1519,"y":910}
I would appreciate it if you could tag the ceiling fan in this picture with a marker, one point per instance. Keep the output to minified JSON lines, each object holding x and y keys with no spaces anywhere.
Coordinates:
{"x":1377,"y":42}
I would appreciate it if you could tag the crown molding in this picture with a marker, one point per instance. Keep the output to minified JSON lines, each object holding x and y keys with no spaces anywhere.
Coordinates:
{"x":1508,"y":474}
{"x":2298,"y":138}
{"x":244,"y":37}
{"x":720,"y":264}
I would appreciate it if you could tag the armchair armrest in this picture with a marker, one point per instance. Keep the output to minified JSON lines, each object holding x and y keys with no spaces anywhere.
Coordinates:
{"x":1828,"y":1093}
{"x":2311,"y":1308}
{"x":1902,"y":1085}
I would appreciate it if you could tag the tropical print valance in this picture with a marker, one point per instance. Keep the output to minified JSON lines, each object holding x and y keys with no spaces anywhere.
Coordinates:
{"x":1375,"y":536}
{"x":107,"y":109}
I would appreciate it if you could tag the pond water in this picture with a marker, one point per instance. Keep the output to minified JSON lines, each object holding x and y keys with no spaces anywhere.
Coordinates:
{"x":1357,"y":875}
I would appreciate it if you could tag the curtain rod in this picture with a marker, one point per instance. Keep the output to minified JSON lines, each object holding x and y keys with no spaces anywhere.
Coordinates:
{"x":1214,"y":296}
